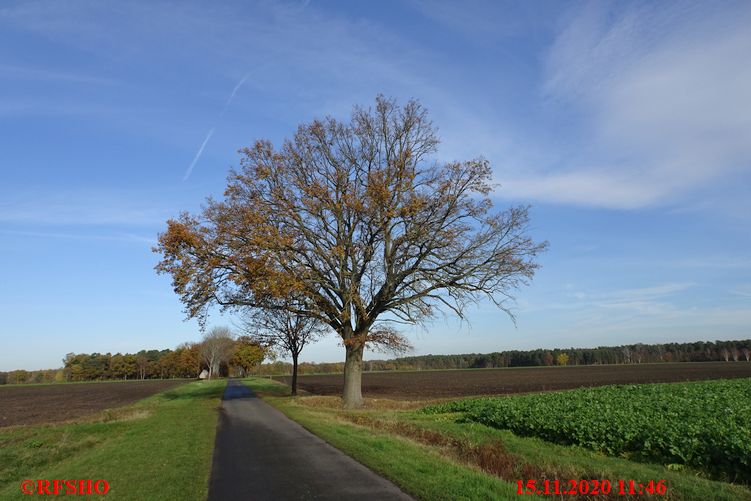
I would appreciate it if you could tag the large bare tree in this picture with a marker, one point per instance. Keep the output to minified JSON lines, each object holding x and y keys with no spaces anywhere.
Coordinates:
{"x":361,"y":223}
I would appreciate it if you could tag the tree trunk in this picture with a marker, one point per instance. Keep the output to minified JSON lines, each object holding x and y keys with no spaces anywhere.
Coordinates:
{"x":294,"y":375}
{"x":352,"y":396}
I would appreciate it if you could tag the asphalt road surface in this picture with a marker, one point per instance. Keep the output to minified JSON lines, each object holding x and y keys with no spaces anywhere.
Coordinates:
{"x":260,"y":454}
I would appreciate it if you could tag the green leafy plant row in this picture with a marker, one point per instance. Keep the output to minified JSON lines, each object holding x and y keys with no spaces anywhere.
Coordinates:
{"x":705,"y":425}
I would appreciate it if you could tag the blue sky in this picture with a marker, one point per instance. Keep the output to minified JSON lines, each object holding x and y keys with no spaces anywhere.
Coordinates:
{"x":626,"y":125}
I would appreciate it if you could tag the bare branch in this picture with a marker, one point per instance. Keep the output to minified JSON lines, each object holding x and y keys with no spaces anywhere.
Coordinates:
{"x":353,"y":220}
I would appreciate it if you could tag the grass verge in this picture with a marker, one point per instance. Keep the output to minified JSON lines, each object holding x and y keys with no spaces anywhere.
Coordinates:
{"x":436,"y":457}
{"x":420,"y":470}
{"x":158,"y":448}
{"x":669,"y":423}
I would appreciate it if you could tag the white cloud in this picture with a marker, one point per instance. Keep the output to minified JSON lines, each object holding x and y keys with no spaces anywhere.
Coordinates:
{"x":593,"y":187}
{"x":480,"y":20}
{"x":667,"y":91}
{"x":117,"y":237}
{"x":642,"y":301}
{"x":8,"y":71}
{"x":643,"y":298}
{"x":716,"y":262}
{"x":648,"y":313}
{"x":743,"y":291}
{"x":81,"y":207}
{"x":650,"y":292}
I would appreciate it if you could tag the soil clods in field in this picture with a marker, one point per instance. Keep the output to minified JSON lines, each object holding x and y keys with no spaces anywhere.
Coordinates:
{"x":460,"y":383}
{"x":63,"y":402}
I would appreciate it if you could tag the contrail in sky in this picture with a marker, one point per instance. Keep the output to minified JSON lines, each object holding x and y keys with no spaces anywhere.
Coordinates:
{"x":208,"y":136}
{"x":232,"y":95}
{"x":198,"y":155}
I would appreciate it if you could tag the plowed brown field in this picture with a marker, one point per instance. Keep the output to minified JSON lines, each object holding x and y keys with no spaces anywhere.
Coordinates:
{"x":62,"y":402}
{"x":460,"y":383}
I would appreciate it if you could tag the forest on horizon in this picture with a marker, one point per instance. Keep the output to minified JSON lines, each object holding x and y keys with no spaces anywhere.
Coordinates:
{"x":185,"y":361}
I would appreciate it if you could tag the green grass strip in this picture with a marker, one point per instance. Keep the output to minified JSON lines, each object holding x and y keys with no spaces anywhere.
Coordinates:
{"x":417,"y":469}
{"x":572,"y":462}
{"x":428,"y":472}
{"x":159,"y":448}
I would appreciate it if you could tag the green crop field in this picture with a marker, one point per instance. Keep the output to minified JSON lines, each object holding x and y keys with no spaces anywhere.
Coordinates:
{"x":704,"y":425}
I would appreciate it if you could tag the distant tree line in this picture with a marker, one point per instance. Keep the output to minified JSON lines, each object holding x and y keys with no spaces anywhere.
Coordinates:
{"x":239,"y":357}
{"x":626,"y":354}
{"x":700,"y":351}
{"x":186,"y":361}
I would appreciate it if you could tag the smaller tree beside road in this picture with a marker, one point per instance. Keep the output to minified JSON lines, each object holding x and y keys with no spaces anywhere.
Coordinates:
{"x":217,"y":347}
{"x":284,"y":331}
{"x":249,"y":354}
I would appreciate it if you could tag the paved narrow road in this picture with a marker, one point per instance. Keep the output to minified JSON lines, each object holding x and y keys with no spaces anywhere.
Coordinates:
{"x":260,"y":454}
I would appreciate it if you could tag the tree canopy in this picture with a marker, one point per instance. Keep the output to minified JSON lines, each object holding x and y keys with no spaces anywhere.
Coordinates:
{"x":360,"y":224}
{"x":249,"y":354}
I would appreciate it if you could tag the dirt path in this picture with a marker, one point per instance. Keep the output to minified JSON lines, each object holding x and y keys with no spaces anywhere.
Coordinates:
{"x":261,"y":454}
